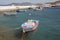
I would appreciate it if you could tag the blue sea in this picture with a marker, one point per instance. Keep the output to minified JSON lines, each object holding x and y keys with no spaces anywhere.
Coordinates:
{"x":48,"y":29}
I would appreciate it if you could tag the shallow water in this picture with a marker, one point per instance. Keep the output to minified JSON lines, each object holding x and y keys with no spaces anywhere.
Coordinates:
{"x":49,"y":25}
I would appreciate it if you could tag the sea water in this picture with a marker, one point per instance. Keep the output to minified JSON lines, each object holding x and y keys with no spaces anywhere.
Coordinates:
{"x":48,"y":29}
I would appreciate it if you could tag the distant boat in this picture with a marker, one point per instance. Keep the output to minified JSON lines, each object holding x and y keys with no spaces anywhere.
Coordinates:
{"x":53,"y":6}
{"x":37,"y":9}
{"x":30,"y":25}
{"x":10,"y":13}
{"x":21,"y":10}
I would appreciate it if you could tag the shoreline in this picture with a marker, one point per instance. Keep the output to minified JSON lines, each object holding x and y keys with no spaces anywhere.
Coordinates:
{"x":14,"y":8}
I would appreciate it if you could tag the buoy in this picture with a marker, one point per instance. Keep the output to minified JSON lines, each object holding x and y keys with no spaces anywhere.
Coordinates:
{"x":30,"y":14}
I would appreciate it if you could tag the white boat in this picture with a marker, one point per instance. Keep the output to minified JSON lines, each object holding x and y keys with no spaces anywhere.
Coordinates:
{"x":38,"y":8}
{"x":30,"y":25}
{"x":10,"y":13}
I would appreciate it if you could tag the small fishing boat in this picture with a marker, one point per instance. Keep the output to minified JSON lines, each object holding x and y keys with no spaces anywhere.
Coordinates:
{"x":10,"y":13}
{"x":30,"y":25}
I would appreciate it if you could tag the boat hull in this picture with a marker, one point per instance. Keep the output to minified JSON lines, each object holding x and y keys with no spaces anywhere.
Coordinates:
{"x":10,"y":13}
{"x":34,"y":27}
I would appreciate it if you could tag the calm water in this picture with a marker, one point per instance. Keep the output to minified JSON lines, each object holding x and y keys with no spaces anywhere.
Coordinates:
{"x":49,"y":25}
